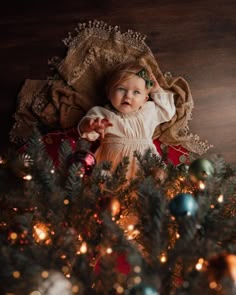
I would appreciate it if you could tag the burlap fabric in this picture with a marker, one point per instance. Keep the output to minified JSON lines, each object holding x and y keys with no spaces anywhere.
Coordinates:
{"x":79,"y":82}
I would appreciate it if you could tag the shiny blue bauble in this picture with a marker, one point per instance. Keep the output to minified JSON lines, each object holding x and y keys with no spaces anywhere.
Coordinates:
{"x":143,"y":289}
{"x":182,"y":205}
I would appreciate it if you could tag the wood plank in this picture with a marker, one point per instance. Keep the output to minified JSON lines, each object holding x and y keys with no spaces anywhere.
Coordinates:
{"x":192,"y":39}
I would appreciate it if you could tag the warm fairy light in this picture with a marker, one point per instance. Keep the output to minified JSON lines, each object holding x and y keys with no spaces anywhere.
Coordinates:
{"x":181,"y":178}
{"x":66,"y":202}
{"x":201,"y":185}
{"x":65,"y":269}
{"x":213,"y":285}
{"x":199,"y":264}
{"x":177,"y":235}
{"x":13,"y":236}
{"x":83,"y":248}
{"x":52,"y":171}
{"x":137,"y":269}
{"x":115,"y":207}
{"x":133,"y":234}
{"x":137,"y":280}
{"x":63,"y":256}
{"x":75,"y":289}
{"x":163,"y":258}
{"x":68,"y":275}
{"x":130,"y":227}
{"x":16,"y":274}
{"x":1,"y":160}
{"x":120,"y":290}
{"x":109,"y":250}
{"x":81,"y":173}
{"x":27,"y":177}
{"x":231,"y":261}
{"x":212,"y":206}
{"x":220,"y":199}
{"x":40,"y":232}
{"x":44,"y":274}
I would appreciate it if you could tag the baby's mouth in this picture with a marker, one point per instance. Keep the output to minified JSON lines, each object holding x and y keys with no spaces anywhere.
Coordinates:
{"x":126,"y":103}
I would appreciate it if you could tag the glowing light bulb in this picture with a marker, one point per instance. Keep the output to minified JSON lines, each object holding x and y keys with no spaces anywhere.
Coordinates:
{"x":115,"y":207}
{"x":40,"y":232}
{"x":27,"y":177}
{"x":220,"y":199}
{"x":199,"y":264}
{"x":109,"y":250}
{"x":163,"y":258}
{"x":83,"y":248}
{"x":201,"y":185}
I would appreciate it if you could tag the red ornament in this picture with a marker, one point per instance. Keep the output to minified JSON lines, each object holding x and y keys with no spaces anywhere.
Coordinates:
{"x":86,"y":158}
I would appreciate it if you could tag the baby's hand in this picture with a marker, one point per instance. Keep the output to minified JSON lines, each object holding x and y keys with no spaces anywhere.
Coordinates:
{"x":99,"y":125}
{"x":156,"y":85}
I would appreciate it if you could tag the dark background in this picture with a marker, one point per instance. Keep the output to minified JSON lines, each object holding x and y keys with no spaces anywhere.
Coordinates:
{"x":192,"y":39}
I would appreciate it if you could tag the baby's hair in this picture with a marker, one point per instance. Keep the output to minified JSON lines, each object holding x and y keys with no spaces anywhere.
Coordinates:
{"x":123,"y":72}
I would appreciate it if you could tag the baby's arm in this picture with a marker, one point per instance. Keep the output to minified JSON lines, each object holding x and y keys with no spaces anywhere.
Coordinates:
{"x":164,"y":100}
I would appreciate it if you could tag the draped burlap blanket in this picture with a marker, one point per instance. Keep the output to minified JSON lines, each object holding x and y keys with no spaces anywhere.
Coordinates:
{"x":78,"y":84}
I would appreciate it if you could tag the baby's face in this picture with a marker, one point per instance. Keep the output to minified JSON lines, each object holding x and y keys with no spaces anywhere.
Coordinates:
{"x":129,"y":96}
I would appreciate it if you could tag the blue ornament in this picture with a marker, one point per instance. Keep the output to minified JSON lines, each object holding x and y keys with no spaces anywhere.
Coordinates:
{"x":183,"y":204}
{"x":143,"y":289}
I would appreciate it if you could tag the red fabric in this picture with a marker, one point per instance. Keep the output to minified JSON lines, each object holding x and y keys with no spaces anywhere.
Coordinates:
{"x":174,"y":153}
{"x":53,"y":141}
{"x":122,"y":265}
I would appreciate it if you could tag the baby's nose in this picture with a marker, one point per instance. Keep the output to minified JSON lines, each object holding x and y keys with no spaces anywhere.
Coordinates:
{"x":128,"y":94}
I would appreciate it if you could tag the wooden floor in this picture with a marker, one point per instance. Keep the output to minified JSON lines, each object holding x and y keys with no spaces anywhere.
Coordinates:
{"x":192,"y":39}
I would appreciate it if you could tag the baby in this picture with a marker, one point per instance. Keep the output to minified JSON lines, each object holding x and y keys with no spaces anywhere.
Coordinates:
{"x":137,"y":105}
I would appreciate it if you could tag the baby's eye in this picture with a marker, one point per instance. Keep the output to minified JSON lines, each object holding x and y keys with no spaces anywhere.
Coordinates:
{"x":136,"y":92}
{"x":120,"y":89}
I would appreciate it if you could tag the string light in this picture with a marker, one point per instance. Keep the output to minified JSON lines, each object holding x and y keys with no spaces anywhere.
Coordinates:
{"x":66,"y":202}
{"x":16,"y":274}
{"x":201,"y":185}
{"x":120,"y":290}
{"x":83,"y":248}
{"x":1,"y":161}
{"x":27,"y":177}
{"x":109,"y":250}
{"x":137,"y":280}
{"x":115,"y":207}
{"x":220,"y":199}
{"x":75,"y":289}
{"x":163,"y":258}
{"x":44,"y":274}
{"x":13,"y":236}
{"x":199,"y":264}
{"x":137,"y":269}
{"x":213,"y":285}
{"x":231,"y":261}
{"x":40,"y":232}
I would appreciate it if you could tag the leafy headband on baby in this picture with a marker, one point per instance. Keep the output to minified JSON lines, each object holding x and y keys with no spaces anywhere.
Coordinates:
{"x":143,"y":74}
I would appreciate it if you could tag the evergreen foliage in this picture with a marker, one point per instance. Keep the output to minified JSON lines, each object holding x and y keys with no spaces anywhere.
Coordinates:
{"x":63,"y":231}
